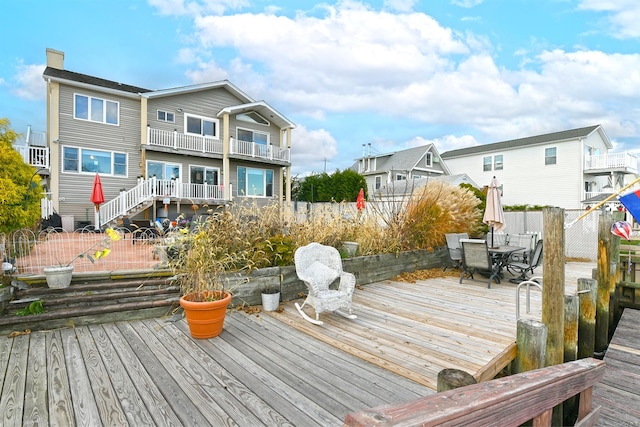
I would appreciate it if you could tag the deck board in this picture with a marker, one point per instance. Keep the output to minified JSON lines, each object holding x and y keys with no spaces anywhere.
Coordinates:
{"x":264,"y":369}
{"x":618,"y":392}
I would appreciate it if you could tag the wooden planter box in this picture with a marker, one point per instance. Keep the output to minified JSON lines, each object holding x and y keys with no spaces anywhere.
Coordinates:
{"x":246,"y":289}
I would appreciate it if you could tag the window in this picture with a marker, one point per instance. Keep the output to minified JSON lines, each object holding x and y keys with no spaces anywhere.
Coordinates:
{"x":202,"y":175}
{"x":378,"y":182}
{"x":95,"y":109}
{"x":487,"y":163}
{"x":497,"y":162}
{"x":202,"y":126}
{"x":162,"y":170}
{"x":428,"y":160}
{"x":252,"y":117}
{"x":253,"y":136}
{"x":401,"y":177}
{"x":165,"y":116}
{"x":255,"y":182}
{"x":78,"y":160}
{"x":550,"y":156}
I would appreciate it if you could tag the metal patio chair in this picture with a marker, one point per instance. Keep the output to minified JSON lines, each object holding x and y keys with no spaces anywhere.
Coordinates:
{"x":521,"y":268}
{"x":454,"y":249}
{"x":476,"y":258}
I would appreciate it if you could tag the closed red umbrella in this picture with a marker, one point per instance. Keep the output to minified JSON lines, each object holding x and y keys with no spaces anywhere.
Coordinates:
{"x":360,"y":200}
{"x":97,"y":198}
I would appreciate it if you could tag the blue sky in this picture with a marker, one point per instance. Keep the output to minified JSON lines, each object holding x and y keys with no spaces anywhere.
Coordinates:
{"x":394,"y":74}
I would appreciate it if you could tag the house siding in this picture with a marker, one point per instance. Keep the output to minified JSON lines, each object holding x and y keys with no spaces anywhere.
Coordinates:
{"x":75,"y":188}
{"x":233,"y":180}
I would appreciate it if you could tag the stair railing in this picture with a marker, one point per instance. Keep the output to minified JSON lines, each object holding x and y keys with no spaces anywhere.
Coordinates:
{"x":128,"y":200}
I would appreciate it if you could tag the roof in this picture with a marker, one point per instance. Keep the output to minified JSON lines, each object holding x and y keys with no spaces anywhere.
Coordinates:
{"x":531,"y":140}
{"x":407,"y":186}
{"x":262,"y":108}
{"x":404,"y":160}
{"x":57,"y":74}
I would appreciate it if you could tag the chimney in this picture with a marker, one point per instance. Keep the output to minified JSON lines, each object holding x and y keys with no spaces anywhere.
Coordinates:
{"x":55,"y":59}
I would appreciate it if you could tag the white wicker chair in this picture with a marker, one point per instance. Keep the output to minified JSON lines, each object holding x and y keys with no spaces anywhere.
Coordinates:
{"x":319,"y":266}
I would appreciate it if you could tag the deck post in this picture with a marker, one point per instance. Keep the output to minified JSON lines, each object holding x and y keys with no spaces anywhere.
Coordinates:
{"x":570,"y":407}
{"x":587,"y":293}
{"x":448,"y":379}
{"x":604,"y":265}
{"x":531,"y":339}
{"x":553,"y":290}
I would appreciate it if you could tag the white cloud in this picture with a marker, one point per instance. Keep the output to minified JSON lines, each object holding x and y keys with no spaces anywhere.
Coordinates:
{"x":622,"y":15}
{"x":207,"y":72}
{"x":311,"y":149}
{"x":400,"y":5}
{"x":29,"y":82}
{"x":466,"y":3}
{"x":182,"y":7}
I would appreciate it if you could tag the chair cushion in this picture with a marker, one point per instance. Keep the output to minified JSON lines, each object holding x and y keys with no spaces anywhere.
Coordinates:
{"x":321,"y":274}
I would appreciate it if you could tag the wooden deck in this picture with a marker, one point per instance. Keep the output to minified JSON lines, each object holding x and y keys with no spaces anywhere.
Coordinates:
{"x":618,"y":393}
{"x":264,"y":369}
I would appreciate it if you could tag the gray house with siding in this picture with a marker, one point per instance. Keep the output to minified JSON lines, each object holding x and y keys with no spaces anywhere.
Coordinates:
{"x":159,"y":152}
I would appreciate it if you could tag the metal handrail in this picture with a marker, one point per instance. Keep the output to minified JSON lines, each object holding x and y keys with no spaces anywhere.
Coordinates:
{"x":528,"y":283}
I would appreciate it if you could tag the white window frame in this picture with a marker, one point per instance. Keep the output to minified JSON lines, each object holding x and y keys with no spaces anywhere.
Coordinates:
{"x":246,"y":117}
{"x":401,"y":176}
{"x":166,"y":116}
{"x":498,"y":166}
{"x":428,"y":159}
{"x":487,"y":163}
{"x":243,"y":192}
{"x":79,"y":160}
{"x":547,"y":158}
{"x":253,"y":134}
{"x":216,"y":125}
{"x":378,"y":182}
{"x":164,"y":169}
{"x":105,"y":104}
{"x":204,"y":171}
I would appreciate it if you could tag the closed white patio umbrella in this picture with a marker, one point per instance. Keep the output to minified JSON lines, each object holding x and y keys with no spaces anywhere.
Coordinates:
{"x":493,"y":213}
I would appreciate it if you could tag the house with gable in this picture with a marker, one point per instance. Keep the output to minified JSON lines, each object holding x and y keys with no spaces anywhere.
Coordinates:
{"x":157,"y":152}
{"x":402,"y":171}
{"x":566,"y":169}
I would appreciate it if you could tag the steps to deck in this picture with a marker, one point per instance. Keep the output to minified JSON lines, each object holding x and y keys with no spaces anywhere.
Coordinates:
{"x":113,"y":298}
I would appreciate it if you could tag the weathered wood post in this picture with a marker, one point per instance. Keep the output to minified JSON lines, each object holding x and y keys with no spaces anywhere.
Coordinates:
{"x":531,"y":341}
{"x":553,"y":291}
{"x":614,"y":278}
{"x":602,"y":302}
{"x":587,"y":293}
{"x":448,"y":379}
{"x":570,"y":406}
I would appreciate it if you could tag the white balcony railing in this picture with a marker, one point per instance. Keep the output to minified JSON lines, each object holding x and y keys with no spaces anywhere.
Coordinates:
{"x":262,"y":151}
{"x":201,"y":144}
{"x":35,"y":156}
{"x":183,"y":142}
{"x":623,"y":160}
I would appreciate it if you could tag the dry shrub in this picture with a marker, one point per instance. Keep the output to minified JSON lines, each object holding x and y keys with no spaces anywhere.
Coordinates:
{"x":436,"y":209}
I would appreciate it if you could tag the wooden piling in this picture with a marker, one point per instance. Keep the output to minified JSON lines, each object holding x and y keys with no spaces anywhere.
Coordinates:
{"x":587,"y":294}
{"x":570,"y":406}
{"x":614,"y":277}
{"x":448,"y":379}
{"x":531,"y":339}
{"x":602,"y":302}
{"x":553,"y":289}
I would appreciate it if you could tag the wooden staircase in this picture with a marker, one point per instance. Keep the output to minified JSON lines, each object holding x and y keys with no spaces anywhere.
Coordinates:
{"x":92,"y":300}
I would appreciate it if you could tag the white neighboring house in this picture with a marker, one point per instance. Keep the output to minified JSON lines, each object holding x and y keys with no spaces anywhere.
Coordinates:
{"x":562,"y":169}
{"x":391,"y":172}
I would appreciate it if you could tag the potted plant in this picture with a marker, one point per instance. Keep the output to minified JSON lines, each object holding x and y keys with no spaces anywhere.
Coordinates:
{"x":59,"y":276}
{"x":202,"y":269}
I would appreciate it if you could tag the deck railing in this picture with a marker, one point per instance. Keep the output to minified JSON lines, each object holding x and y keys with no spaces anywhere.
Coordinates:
{"x":34,"y":156}
{"x":507,"y":401}
{"x":157,"y":189}
{"x":269,"y":152}
{"x":612,"y":161}
{"x":183,"y":142}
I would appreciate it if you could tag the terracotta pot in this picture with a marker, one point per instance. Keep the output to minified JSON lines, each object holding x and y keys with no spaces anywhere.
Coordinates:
{"x":205,"y":319}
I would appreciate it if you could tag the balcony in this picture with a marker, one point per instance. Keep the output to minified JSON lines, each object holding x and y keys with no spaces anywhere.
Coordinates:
{"x":174,"y":141}
{"x":611,"y":162}
{"x":34,"y":156}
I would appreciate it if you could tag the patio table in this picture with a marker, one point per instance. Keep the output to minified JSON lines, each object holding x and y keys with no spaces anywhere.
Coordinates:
{"x":500,"y":255}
